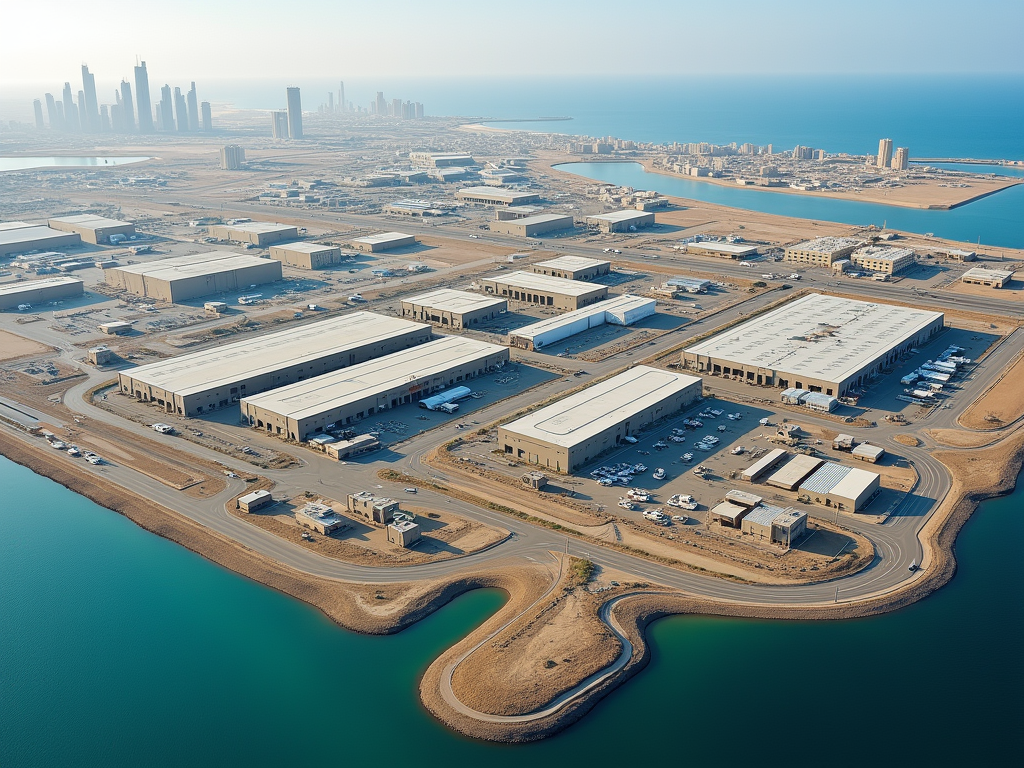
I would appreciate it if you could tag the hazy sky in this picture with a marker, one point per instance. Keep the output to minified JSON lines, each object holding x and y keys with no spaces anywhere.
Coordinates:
{"x":46,"y":41}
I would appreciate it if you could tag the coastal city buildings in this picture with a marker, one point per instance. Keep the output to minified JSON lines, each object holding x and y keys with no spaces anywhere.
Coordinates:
{"x":884,"y":153}
{"x":294,"y":113}
{"x":883,"y":260}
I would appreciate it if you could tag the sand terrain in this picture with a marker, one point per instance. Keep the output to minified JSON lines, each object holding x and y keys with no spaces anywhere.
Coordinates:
{"x":1001,"y":405}
{"x":13,"y":346}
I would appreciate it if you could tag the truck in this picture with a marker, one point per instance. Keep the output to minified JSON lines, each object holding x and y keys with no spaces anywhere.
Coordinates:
{"x":445,"y":398}
{"x":909,"y":379}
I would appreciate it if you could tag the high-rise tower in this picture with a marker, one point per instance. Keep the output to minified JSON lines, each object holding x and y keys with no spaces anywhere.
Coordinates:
{"x":37,"y":107}
{"x":51,"y":113}
{"x":294,"y":113}
{"x":207,"y":114}
{"x":70,"y":111}
{"x":127,"y":107}
{"x":341,"y":98}
{"x":166,"y":109}
{"x":89,"y":110}
{"x":142,"y":96}
{"x":180,"y":110}
{"x":884,"y":153}
{"x":193,"y":108}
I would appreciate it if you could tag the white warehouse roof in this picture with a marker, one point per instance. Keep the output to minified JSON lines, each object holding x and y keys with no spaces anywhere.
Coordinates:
{"x":623,"y":215}
{"x":24,"y":286}
{"x":538,"y":282}
{"x":826,"y":244}
{"x":793,"y":337}
{"x":602,"y":406}
{"x":449,"y":300}
{"x":383,"y":237}
{"x":194,"y":264}
{"x":572,"y":263}
{"x":618,"y":306}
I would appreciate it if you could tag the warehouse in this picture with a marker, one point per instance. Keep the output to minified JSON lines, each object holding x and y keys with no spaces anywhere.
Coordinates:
{"x":181,"y":278}
{"x":255,"y":501}
{"x":384,"y":241}
{"x":259,"y":233}
{"x":815,"y":401}
{"x":566,"y":435}
{"x":17,"y":237}
{"x":689,"y":284}
{"x":93,"y":229}
{"x":621,"y":221}
{"x":767,"y":462}
{"x":844,"y":487}
{"x":794,"y":471}
{"x":993,"y":278}
{"x":619,"y":310}
{"x":883,"y":260}
{"x":517,"y":212}
{"x":822,"y":251}
{"x":572,"y":268}
{"x":544,"y":290}
{"x":869,"y":453}
{"x":306,"y":408}
{"x":775,"y":524}
{"x":720,"y":249}
{"x":439,"y":160}
{"x":455,"y":309}
{"x":794,"y":346}
{"x":306,"y":255}
{"x":496,"y":196}
{"x":116,"y":328}
{"x":532,"y":226}
{"x":192,"y":384}
{"x":42,"y":291}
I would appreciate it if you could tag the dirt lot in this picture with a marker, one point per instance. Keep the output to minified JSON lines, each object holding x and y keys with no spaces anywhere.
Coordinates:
{"x":13,"y":346}
{"x":1001,"y":405}
{"x":1012,"y":291}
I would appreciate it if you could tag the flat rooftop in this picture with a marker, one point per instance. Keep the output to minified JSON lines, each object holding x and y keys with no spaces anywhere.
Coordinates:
{"x":8,"y":225}
{"x":602,"y":406}
{"x":623,"y":215}
{"x":382,"y":237}
{"x":259,"y":227}
{"x":839,"y":480}
{"x":230,"y":363}
{"x":536,"y":282}
{"x":622,"y":303}
{"x":28,"y":233}
{"x":543,"y":218}
{"x":794,"y":339}
{"x":826,"y":244}
{"x":90,"y":221}
{"x":883,"y":253}
{"x":309,"y":398}
{"x":738,"y":249}
{"x":795,"y":470}
{"x":496,"y":193}
{"x":178,"y":267}
{"x":763,"y":514}
{"x":572,"y":263}
{"x":23,"y":286}
{"x":304,"y":247}
{"x":983,"y":273}
{"x":449,"y":300}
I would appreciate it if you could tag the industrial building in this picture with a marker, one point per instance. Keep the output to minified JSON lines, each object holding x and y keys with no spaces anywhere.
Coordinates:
{"x":93,"y":229}
{"x":775,"y":524}
{"x":867,"y":452}
{"x":994,"y":278}
{"x":115,"y":328}
{"x":258,"y":233}
{"x":821,"y":251}
{"x":572,"y":267}
{"x":255,"y":501}
{"x":404,"y":533}
{"x":621,"y":221}
{"x":567,"y":434}
{"x":440,"y":160}
{"x":766,"y":463}
{"x":517,"y":212}
{"x":377,"y":509}
{"x":307,"y":408}
{"x":731,"y":511}
{"x":320,"y":517}
{"x":723,"y":250}
{"x":820,"y":343}
{"x":844,"y":487}
{"x":42,"y":291}
{"x":794,"y":471}
{"x":101,"y":355}
{"x":496,"y":196}
{"x":347,"y":449}
{"x":385,"y":241}
{"x":455,"y":309}
{"x":883,"y":260}
{"x":619,"y":310}
{"x":17,"y":237}
{"x":544,"y":290}
{"x":816,"y":401}
{"x":533,"y":226}
{"x":181,"y":278}
{"x":689,"y":284}
{"x":198,"y":382}
{"x":306,"y":255}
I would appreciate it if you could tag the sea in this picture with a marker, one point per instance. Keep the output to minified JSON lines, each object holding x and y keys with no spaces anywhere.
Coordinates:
{"x":119,"y":648}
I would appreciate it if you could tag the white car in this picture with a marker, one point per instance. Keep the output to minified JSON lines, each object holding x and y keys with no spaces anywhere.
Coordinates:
{"x":163,"y":429}
{"x":629,"y":439}
{"x":659,"y":474}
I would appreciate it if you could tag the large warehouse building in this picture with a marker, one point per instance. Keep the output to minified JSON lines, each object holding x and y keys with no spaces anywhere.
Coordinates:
{"x":259,"y":233}
{"x":181,"y":278}
{"x":848,"y":488}
{"x":384,"y":241}
{"x":572,"y":267}
{"x":567,"y":434}
{"x":455,"y":309}
{"x":93,"y":229}
{"x":306,"y":255}
{"x":39,"y":291}
{"x":547,"y":291}
{"x":199,"y":382}
{"x":301,"y":410}
{"x":822,"y":251}
{"x":819,"y":343}
{"x":621,"y":221}
{"x":993,"y":278}
{"x":619,"y":310}
{"x":531,"y":226}
{"x":17,"y":237}
{"x":722,"y":250}
{"x":495,"y":196}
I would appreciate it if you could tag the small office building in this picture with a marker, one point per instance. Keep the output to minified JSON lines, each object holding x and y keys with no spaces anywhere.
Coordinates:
{"x":306,"y":255}
{"x":621,"y":221}
{"x":404,"y":533}
{"x":454,"y":309}
{"x":775,"y":525}
{"x":555,"y":292}
{"x":533,"y":226}
{"x":847,"y":488}
{"x":258,"y":233}
{"x":720,"y":249}
{"x":384,"y":241}
{"x":255,"y":501}
{"x":572,"y":267}
{"x":821,"y":251}
{"x":993,"y":278}
{"x":376,"y":509}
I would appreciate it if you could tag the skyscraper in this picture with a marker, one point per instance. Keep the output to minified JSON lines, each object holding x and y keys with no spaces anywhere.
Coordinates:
{"x":884,"y":153}
{"x":104,"y":118}
{"x":89,"y":111}
{"x":330,"y":101}
{"x":279,"y":124}
{"x":51,"y":113}
{"x":127,"y":108}
{"x":70,"y":112}
{"x":193,"y":108}
{"x":382,"y":105}
{"x":901,"y":160}
{"x":294,"y":113}
{"x":180,"y":110}
{"x":232,"y":157}
{"x":37,"y":107}
{"x":341,"y":98}
{"x":166,"y":109}
{"x":204,"y":108}
{"x":142,"y":95}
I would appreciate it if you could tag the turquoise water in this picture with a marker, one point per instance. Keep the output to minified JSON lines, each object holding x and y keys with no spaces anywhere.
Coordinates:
{"x":32,"y":163}
{"x":118,"y":648}
{"x":995,"y":220}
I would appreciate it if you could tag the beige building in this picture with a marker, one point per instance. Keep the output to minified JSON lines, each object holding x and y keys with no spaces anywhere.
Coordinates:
{"x":17,"y":237}
{"x":39,"y":291}
{"x":571,"y":432}
{"x":884,"y":159}
{"x":93,"y":229}
{"x":901,"y":159}
{"x":621,"y":221}
{"x":308,"y":408}
{"x":404,"y":533}
{"x":376,"y":509}
{"x":384,"y":241}
{"x":882,"y":259}
{"x":572,"y":267}
{"x":320,"y":517}
{"x":259,"y":233}
{"x":306,"y":255}
{"x":544,"y":290}
{"x":496,"y":196}
{"x":822,"y":251}
{"x":181,"y":278}
{"x":993,"y":278}
{"x":200,"y":382}
{"x":835,"y":485}
{"x":532,"y":226}
{"x":115,"y":328}
{"x":255,"y":501}
{"x":101,"y":355}
{"x":453,"y":309}
{"x":775,"y":525}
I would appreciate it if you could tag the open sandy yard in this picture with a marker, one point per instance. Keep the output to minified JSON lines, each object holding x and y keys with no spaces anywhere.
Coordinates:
{"x":13,"y":346}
